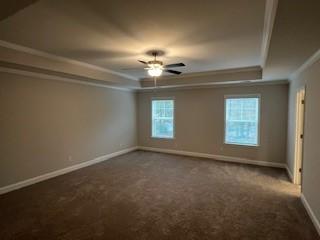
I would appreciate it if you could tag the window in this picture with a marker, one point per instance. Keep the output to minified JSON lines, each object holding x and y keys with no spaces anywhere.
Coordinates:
{"x":163,"y":118}
{"x":242,"y":120}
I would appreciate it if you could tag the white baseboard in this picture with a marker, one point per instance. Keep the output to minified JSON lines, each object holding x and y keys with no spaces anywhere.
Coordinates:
{"x":56,"y":173}
{"x":289,"y":173}
{"x":215,"y":157}
{"x":46,"y":176}
{"x":311,"y":213}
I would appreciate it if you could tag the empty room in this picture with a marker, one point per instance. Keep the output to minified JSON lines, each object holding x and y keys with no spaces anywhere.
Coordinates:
{"x":160,"y":120}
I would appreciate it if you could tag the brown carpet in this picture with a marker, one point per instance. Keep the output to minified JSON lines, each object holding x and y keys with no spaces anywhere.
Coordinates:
{"x":144,"y":195}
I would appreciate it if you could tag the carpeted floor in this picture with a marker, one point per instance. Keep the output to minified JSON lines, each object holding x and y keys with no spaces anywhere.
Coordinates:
{"x":144,"y":195}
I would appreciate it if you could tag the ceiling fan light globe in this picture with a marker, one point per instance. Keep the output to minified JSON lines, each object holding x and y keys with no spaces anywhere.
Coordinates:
{"x":155,"y":72}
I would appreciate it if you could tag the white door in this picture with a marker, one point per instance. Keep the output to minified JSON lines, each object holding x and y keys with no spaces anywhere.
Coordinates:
{"x":299,"y":136}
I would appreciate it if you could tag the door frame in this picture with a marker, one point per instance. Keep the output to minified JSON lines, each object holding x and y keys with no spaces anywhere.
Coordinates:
{"x":299,"y":136}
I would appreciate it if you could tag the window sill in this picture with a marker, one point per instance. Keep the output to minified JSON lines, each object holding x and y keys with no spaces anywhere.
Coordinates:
{"x":164,"y":138}
{"x":243,"y":145}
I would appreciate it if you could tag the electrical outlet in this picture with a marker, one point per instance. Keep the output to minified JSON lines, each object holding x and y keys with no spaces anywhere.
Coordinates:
{"x":70,"y":158}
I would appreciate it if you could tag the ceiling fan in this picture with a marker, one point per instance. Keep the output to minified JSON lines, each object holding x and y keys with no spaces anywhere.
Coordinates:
{"x":156,"y":67}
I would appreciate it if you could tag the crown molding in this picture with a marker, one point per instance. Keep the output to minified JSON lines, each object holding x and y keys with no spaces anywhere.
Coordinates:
{"x":9,"y":8}
{"x":227,"y":76}
{"x":219,"y":77}
{"x":59,"y":78}
{"x":40,"y":53}
{"x":269,"y":18}
{"x":208,"y":73}
{"x":214,"y":85}
{"x":314,"y":58}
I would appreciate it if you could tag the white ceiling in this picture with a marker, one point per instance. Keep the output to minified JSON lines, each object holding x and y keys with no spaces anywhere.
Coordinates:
{"x":206,"y":35}
{"x":295,"y":37}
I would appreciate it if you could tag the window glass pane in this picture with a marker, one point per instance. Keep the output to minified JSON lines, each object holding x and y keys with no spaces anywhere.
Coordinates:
{"x":241,"y":121}
{"x":162,"y":118}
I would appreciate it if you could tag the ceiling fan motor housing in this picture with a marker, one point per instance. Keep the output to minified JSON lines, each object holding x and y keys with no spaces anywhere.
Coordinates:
{"x":155,"y":64}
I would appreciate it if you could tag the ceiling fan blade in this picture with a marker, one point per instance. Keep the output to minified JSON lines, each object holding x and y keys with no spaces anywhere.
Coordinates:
{"x":172,"y":71}
{"x":131,"y":69}
{"x":143,"y":62}
{"x":174,"y":65}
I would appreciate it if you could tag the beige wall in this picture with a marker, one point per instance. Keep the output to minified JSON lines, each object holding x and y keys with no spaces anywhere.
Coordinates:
{"x":199,"y":123}
{"x":311,"y":156}
{"x":48,"y":125}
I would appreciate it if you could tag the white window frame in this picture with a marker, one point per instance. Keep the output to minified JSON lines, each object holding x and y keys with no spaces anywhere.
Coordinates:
{"x":174,"y":117}
{"x":259,"y":118}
